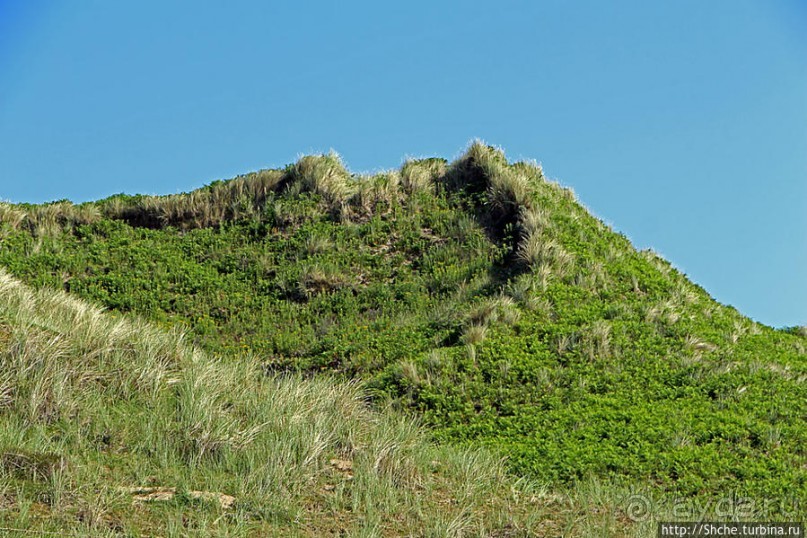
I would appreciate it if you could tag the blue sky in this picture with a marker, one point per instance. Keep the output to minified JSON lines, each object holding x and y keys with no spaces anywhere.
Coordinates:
{"x":683,"y":124}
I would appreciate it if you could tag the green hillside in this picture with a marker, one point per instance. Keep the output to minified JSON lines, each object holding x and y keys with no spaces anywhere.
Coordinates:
{"x":475,"y":295}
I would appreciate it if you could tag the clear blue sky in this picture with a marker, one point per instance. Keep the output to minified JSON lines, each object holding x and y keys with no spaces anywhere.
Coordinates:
{"x":683,"y":124}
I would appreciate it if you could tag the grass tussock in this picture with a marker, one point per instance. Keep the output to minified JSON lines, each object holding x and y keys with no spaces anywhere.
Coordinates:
{"x":471,"y":173}
{"x":422,"y":175}
{"x":380,"y":190}
{"x":324,"y":175}
{"x":11,"y":215}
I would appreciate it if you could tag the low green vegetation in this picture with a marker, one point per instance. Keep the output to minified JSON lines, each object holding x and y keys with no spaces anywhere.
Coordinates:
{"x":475,"y":294}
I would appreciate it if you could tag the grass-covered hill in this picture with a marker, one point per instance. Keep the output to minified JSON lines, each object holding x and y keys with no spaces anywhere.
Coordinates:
{"x":476,"y":294}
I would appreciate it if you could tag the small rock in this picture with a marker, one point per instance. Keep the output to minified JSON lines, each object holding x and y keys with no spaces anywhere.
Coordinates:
{"x":156,"y":493}
{"x":342,"y":465}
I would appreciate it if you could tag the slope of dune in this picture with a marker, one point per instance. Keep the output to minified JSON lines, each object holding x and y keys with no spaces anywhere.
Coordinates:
{"x":475,"y":294}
